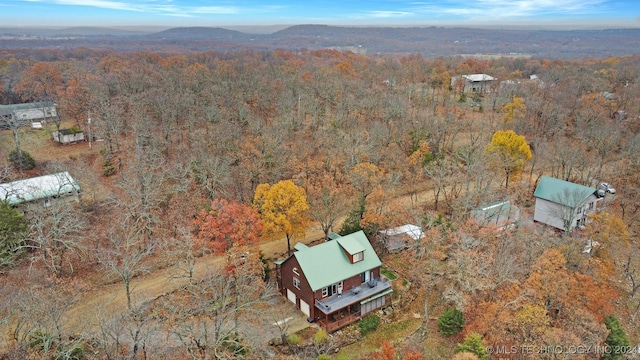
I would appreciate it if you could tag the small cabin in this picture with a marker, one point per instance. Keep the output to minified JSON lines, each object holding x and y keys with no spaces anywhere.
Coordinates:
{"x":68,"y":136}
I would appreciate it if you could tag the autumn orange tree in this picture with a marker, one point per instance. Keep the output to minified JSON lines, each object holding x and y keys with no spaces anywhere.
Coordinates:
{"x":41,"y":81}
{"x":227,"y":224}
{"x":283,"y":209}
{"x":509,"y":151}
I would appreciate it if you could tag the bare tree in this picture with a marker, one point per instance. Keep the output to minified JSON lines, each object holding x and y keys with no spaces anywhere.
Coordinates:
{"x":56,"y":232}
{"x":125,"y":256}
{"x":40,"y":323}
{"x":325,"y":206}
{"x":9,"y":121}
{"x":128,"y":334}
{"x":206,"y":320}
{"x":212,"y":173}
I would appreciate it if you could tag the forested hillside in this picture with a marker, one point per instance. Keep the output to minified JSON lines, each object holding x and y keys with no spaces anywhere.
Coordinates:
{"x":183,"y":149}
{"x":431,"y":42}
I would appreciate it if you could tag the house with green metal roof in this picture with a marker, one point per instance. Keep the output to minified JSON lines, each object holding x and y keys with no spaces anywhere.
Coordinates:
{"x":563,"y":204}
{"x":42,"y":188}
{"x":334,"y":283}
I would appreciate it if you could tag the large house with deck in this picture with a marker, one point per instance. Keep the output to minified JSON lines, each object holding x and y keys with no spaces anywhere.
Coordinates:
{"x":335,"y":283}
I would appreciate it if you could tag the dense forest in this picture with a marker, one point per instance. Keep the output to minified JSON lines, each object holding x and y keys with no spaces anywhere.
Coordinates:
{"x":185,"y":149}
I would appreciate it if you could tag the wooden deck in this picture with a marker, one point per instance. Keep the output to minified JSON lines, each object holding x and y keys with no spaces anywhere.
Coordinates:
{"x":336,"y":322}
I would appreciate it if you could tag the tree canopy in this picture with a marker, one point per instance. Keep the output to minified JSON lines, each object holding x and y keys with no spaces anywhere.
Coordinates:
{"x":13,"y":229}
{"x":283,"y":209}
{"x":226,"y":224}
{"x":510,"y":152}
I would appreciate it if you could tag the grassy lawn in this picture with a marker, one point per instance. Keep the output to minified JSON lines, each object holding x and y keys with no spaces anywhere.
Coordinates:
{"x":388,"y":274}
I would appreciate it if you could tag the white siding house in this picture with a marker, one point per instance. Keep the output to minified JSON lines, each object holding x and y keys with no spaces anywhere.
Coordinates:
{"x":563,"y":204}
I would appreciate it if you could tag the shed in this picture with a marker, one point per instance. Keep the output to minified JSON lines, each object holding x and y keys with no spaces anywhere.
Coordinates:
{"x":401,"y":237}
{"x":68,"y":136}
{"x":499,"y":213}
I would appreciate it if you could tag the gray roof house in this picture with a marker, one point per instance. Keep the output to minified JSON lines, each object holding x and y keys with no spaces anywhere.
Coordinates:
{"x":474,"y":82}
{"x":336,"y":282}
{"x":43,"y":188}
{"x":24,"y":114}
{"x":563,"y":204}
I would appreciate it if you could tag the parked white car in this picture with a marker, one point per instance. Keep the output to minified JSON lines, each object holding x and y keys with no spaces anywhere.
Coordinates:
{"x":607,"y":187}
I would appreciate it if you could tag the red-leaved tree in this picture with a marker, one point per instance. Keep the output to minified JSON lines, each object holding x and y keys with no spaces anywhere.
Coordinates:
{"x":226,"y":224}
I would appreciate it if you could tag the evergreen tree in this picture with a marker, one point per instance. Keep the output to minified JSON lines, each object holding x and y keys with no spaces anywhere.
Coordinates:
{"x":474,"y":344}
{"x":13,"y":229}
{"x":451,"y":321}
{"x":617,"y":340}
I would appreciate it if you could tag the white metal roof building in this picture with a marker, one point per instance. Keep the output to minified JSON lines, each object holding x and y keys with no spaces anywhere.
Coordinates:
{"x":474,"y":82}
{"x":37,"y":188}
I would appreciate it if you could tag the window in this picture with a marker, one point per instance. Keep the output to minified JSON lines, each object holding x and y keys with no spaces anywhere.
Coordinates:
{"x":47,"y":202}
{"x":296,"y":283}
{"x":325,"y":292}
{"x":295,"y":271}
{"x":358,"y":256}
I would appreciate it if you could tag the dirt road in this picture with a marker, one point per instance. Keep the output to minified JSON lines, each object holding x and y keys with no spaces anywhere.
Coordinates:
{"x":112,"y":298}
{"x":86,"y":313}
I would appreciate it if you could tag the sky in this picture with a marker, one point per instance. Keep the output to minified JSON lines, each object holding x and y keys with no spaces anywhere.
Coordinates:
{"x":215,"y":13}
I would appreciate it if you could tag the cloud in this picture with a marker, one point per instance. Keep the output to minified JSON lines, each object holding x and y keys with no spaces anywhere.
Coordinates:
{"x":387,"y":14}
{"x":508,"y":8}
{"x":158,"y":7}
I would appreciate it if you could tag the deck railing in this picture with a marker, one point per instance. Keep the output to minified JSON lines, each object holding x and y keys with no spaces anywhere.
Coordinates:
{"x":332,"y":325}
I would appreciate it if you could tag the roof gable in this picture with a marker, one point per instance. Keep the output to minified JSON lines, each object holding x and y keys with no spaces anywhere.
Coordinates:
{"x":40,"y":187}
{"x":562,"y":192}
{"x":350,"y":246}
{"x":327,"y":263}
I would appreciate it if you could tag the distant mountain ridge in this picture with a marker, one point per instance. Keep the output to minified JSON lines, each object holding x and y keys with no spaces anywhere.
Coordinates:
{"x":200,"y":33}
{"x":428,"y":41}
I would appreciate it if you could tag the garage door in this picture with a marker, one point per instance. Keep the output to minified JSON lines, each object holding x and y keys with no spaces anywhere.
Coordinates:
{"x":304,"y":307}
{"x":291,"y":296}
